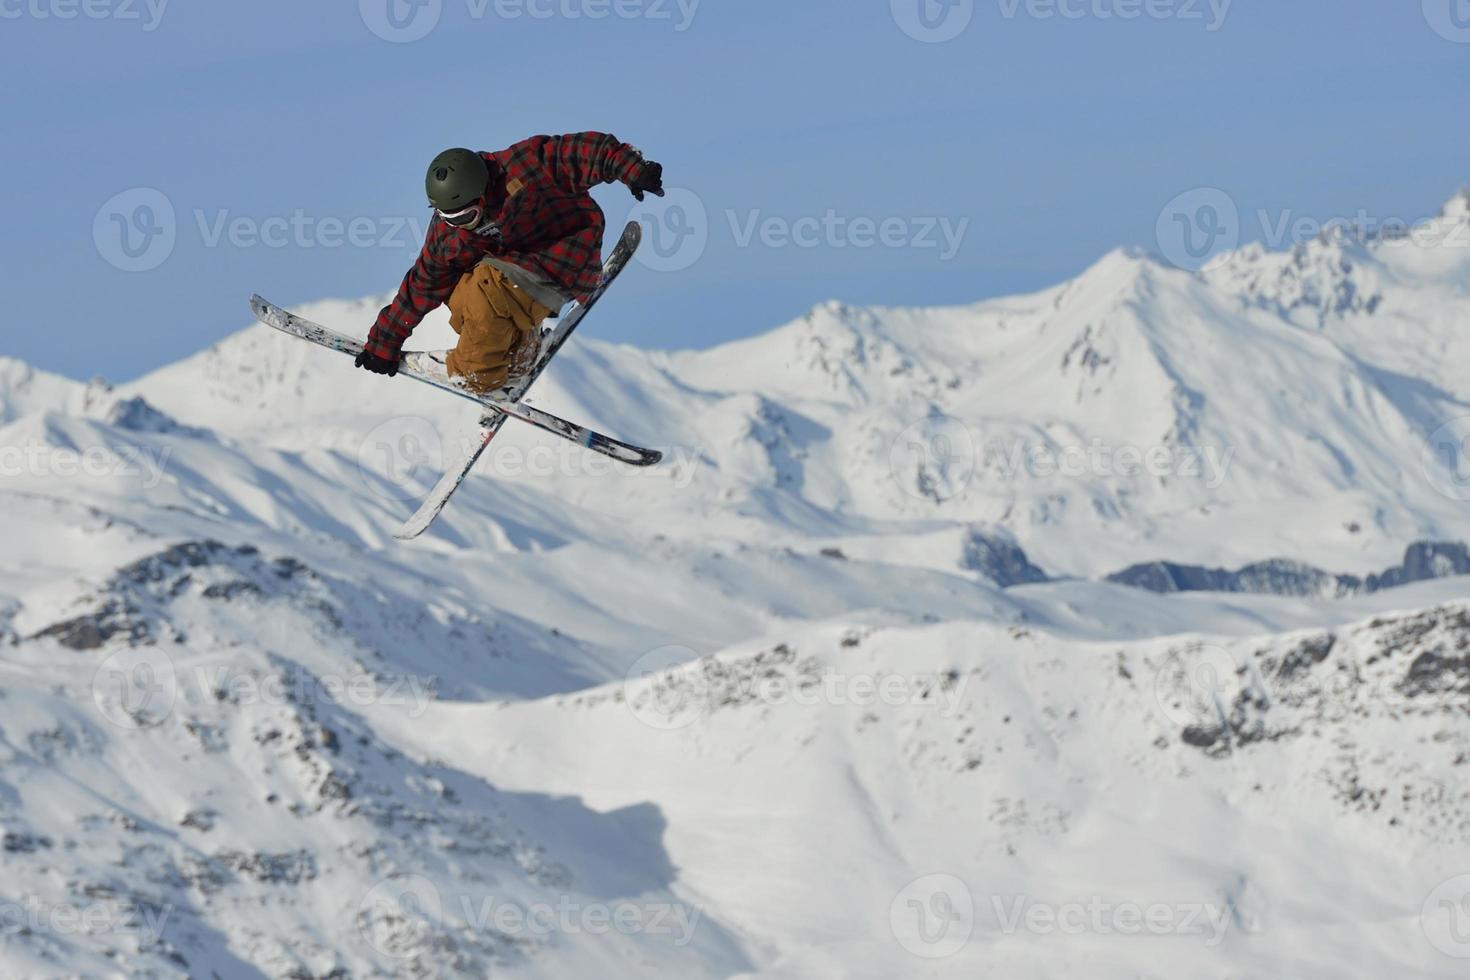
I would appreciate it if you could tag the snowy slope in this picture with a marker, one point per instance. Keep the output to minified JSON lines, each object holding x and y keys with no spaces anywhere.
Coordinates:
{"x":837,"y":691}
{"x":1037,"y":771}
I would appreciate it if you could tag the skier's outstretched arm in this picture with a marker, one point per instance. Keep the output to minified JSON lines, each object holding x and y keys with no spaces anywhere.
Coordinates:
{"x":427,"y":285}
{"x":581,"y":161}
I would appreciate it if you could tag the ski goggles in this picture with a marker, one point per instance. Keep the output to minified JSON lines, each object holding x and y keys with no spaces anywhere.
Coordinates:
{"x":464,"y":217}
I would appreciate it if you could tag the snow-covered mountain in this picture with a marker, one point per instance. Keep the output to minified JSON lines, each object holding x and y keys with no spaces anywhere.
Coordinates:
{"x":25,"y":390}
{"x":841,"y":689}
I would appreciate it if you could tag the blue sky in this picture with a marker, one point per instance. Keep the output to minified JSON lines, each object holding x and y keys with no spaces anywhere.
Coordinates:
{"x":820,"y":149}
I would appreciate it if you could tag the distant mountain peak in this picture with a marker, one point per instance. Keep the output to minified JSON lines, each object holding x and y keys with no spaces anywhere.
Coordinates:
{"x":25,"y":389}
{"x":1458,"y":206}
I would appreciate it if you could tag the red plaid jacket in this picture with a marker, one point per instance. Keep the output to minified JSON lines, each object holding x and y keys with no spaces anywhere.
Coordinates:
{"x":548,"y":223}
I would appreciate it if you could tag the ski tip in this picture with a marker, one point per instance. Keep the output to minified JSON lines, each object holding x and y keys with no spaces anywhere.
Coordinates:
{"x":633,"y":456}
{"x":262,"y":307}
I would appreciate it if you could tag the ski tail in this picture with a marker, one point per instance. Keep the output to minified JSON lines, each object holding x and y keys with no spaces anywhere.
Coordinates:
{"x":438,"y":498}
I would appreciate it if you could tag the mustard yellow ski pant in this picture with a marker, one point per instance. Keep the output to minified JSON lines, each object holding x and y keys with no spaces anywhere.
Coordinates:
{"x":498,"y":325}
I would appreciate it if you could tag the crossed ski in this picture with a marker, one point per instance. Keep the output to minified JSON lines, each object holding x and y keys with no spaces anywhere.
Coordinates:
{"x":423,"y":367}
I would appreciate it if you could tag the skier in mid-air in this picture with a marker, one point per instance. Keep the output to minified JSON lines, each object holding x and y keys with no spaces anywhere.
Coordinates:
{"x":515,"y":236}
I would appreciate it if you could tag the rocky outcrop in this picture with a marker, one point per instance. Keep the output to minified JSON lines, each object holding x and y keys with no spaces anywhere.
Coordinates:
{"x":1000,"y":559}
{"x":1423,"y":561}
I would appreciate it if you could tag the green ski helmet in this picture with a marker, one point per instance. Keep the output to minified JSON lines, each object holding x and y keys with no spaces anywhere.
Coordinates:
{"x":456,"y":179}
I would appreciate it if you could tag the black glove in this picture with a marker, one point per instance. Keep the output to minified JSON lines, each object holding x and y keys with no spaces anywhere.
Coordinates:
{"x":650,"y":180}
{"x":376,"y":364}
